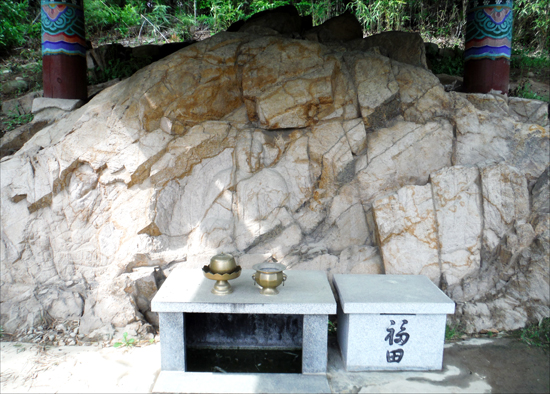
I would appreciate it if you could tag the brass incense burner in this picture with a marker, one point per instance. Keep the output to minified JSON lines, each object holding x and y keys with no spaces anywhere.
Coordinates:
{"x":268,"y":276}
{"x":222,"y":268}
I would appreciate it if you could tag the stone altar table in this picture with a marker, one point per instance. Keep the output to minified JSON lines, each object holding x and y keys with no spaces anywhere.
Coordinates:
{"x":391,"y":322}
{"x":306,"y":294}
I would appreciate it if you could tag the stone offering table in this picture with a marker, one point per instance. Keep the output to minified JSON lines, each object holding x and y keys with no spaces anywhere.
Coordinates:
{"x":187,"y":294}
{"x":391,"y":322}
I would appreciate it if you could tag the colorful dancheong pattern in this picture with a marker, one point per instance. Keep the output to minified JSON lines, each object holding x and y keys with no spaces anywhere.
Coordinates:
{"x":489,"y":29}
{"x":63,"y":28}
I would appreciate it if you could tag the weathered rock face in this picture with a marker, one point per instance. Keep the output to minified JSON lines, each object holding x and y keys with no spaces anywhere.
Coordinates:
{"x":321,"y":156}
{"x":408,"y":234}
{"x":403,"y":47}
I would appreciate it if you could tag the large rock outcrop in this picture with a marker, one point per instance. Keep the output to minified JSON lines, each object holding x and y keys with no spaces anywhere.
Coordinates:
{"x":329,"y":157}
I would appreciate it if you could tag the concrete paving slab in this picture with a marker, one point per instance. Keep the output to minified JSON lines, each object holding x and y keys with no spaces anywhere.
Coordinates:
{"x":498,"y":365}
{"x":205,"y":382}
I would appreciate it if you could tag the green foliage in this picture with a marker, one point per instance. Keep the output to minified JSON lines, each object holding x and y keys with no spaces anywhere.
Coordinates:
{"x":522,"y":58}
{"x":524,"y":91}
{"x":452,"y":333}
{"x":380,"y":15}
{"x":14,"y":120}
{"x":16,"y":25}
{"x":182,"y":29}
{"x":117,"y":68}
{"x":531,"y":23}
{"x":126,"y":342}
{"x":451,"y":65}
{"x":537,"y":334}
{"x":171,"y":18}
{"x":100,"y":16}
{"x":224,"y":13}
{"x":332,"y":328}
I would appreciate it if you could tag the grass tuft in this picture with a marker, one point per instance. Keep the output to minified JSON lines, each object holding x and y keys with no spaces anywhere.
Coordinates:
{"x":537,"y":334}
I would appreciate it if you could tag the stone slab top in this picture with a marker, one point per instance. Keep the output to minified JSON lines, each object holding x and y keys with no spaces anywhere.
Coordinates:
{"x":303,"y":293}
{"x":391,"y":294}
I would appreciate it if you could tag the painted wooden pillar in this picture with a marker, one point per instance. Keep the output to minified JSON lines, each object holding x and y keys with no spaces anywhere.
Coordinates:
{"x":488,"y":45}
{"x":63,"y":49}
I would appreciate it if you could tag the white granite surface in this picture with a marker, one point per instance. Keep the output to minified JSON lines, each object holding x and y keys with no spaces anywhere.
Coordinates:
{"x":391,"y":294}
{"x":187,"y":290}
{"x":365,"y":341}
{"x":314,"y":344}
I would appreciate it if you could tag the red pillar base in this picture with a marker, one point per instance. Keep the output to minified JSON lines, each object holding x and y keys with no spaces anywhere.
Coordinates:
{"x":482,"y":75}
{"x":64,"y":77}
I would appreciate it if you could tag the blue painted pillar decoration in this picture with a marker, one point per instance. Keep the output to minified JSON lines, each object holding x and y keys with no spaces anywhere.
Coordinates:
{"x":63,"y":49}
{"x":488,"y":45}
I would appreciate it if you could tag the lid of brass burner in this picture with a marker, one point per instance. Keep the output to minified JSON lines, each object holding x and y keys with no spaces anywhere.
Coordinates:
{"x":269,"y":267}
{"x":222,"y":263}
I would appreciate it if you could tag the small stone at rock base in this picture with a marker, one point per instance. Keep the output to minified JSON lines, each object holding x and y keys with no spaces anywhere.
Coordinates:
{"x":42,"y":103}
{"x":49,"y":114}
{"x":13,"y":86}
{"x":21,"y":105}
{"x":152,"y":317}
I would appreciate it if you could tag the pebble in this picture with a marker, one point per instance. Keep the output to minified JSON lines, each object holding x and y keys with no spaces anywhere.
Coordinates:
{"x":530,"y":74}
{"x":29,"y":65}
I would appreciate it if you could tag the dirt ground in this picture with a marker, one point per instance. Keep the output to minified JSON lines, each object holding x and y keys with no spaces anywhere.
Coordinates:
{"x":500,"y":365}
{"x":508,"y":365}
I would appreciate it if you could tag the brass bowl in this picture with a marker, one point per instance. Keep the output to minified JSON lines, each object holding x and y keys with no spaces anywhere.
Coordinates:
{"x":222,"y":286}
{"x":268,"y":276}
{"x":222,"y":263}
